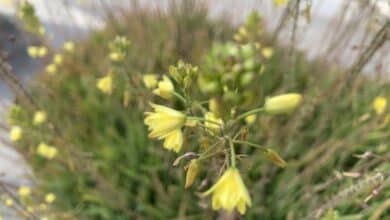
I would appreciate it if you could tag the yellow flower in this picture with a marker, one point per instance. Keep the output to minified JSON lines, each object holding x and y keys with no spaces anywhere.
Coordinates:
{"x":50,"y":197}
{"x":379,"y":105}
{"x":51,"y":69}
{"x":69,"y":46}
{"x":105,"y":84}
{"x":282,"y":104}
{"x":212,"y":122}
{"x":24,"y":191}
{"x":9,"y":202}
{"x":16,"y":133}
{"x":39,"y":117}
{"x":32,"y":51}
{"x":250,"y":119}
{"x":230,"y":192}
{"x":280,"y":3}
{"x":150,"y":80}
{"x":46,"y":151}
{"x":174,"y":140}
{"x":267,"y":52}
{"x":58,"y":59}
{"x":192,"y":172}
{"x":163,"y":121}
{"x":115,"y":56}
{"x":165,"y":88}
{"x":42,"y":51}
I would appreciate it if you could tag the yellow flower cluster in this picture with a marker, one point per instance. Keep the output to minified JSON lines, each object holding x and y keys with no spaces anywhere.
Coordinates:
{"x":105,"y":84}
{"x":215,"y":124}
{"x":39,"y":117}
{"x":24,"y":191}
{"x":37,"y":52}
{"x":116,"y":56}
{"x":267,"y":52}
{"x":16,"y":133}
{"x":46,"y":151}
{"x":69,"y":46}
{"x":50,"y":198}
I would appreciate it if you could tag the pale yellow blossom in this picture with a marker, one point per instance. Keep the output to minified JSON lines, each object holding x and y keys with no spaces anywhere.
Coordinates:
{"x":105,"y":84}
{"x":39,"y":117}
{"x":24,"y":191}
{"x":174,"y":140}
{"x":16,"y":133}
{"x":267,"y":52}
{"x":379,"y":105}
{"x":49,"y":198}
{"x":58,"y":59}
{"x":51,"y":69}
{"x":69,"y":46}
{"x":46,"y":151}
{"x":230,"y":192}
{"x":163,"y":121}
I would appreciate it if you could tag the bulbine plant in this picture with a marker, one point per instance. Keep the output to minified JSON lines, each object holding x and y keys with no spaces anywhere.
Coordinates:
{"x":218,"y":135}
{"x":215,"y":108}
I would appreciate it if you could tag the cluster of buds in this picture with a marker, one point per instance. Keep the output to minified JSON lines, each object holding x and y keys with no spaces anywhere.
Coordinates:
{"x":30,"y":19}
{"x":205,"y":133}
{"x":119,"y":48}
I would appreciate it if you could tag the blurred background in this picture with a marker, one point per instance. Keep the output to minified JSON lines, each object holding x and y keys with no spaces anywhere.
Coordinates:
{"x":336,"y":52}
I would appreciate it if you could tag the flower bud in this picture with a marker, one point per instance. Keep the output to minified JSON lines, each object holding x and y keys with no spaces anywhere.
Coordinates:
{"x":192,"y":172}
{"x":165,"y":88}
{"x":150,"y":80}
{"x":282,"y":104}
{"x":267,"y":52}
{"x":250,"y":119}
{"x":274,"y":157}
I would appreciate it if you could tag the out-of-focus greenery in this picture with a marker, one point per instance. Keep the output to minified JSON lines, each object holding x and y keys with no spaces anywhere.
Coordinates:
{"x":107,"y":168}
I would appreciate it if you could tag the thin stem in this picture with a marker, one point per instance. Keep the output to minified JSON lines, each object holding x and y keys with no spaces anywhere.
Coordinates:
{"x":251,"y":112}
{"x":232,"y":154}
{"x":177,"y":95}
{"x":204,"y":120}
{"x":250,"y":144}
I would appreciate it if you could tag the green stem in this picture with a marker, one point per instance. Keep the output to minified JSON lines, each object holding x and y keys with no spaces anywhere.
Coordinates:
{"x":232,"y":154}
{"x":251,"y":112}
{"x":177,"y":95}
{"x":203,"y":119}
{"x":250,"y":144}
